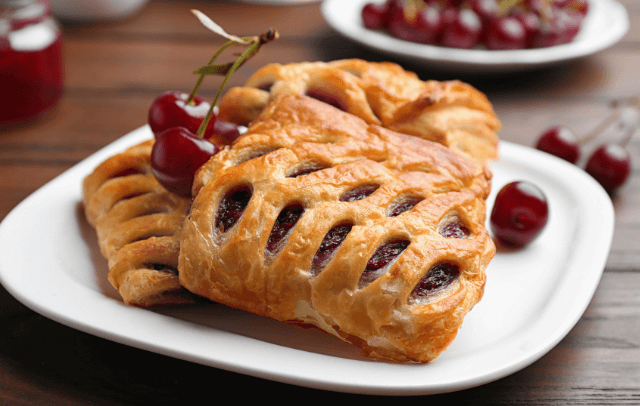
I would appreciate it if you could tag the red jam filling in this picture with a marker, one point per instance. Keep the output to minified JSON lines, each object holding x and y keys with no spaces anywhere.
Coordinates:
{"x":358,"y":193}
{"x":31,"y":62}
{"x":232,"y":206}
{"x":454,"y":230}
{"x":403,"y":206}
{"x":437,"y":278}
{"x":285,"y":222}
{"x":329,"y":245}
{"x":382,"y":257}
{"x":306,"y":170}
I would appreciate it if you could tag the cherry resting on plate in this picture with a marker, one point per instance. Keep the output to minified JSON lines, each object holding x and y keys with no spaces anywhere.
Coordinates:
{"x":519,"y":213}
{"x":176,"y":156}
{"x":610,"y":165}
{"x":561,"y":142}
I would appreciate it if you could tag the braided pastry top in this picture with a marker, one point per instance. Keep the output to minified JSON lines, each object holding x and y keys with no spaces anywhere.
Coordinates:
{"x":451,"y":113}
{"x":137,"y":222}
{"x":315,"y":217}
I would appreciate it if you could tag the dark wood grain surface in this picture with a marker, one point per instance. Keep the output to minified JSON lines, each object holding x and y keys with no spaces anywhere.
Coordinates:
{"x":114,"y":69}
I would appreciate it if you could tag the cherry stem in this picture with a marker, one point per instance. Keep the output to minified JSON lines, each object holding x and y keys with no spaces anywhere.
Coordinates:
{"x":201,"y":78}
{"x":253,"y":49}
{"x":628,"y":136}
{"x":600,"y":128}
{"x":616,"y":104}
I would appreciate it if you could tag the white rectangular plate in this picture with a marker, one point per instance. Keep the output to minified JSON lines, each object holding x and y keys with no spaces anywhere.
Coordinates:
{"x":50,"y":261}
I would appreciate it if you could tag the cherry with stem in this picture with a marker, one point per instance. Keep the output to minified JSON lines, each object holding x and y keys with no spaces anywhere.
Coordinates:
{"x":178,"y":152}
{"x":610,"y":164}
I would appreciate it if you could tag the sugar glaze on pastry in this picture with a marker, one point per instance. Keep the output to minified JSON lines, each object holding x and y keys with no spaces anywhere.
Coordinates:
{"x":137,"y":223}
{"x":316,"y":217}
{"x":451,"y":113}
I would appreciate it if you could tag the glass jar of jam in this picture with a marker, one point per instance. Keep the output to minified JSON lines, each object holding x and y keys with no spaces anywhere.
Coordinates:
{"x":31,"y":60}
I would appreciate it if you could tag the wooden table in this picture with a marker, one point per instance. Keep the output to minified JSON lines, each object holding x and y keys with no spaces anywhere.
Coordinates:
{"x":113,"y":72}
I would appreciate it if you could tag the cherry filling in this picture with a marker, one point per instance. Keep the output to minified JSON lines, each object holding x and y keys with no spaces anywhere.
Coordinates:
{"x":383,"y":256}
{"x":329,"y":245}
{"x":285,"y":222}
{"x":403,"y":206}
{"x":454,"y":229}
{"x":359,"y":193}
{"x":437,"y":277}
{"x":161,"y":268}
{"x":232,"y":206}
{"x":306,"y":170}
{"x":327,"y":97}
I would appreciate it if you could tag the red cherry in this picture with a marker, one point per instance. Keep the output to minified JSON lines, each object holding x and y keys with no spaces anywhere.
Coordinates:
{"x":171,"y":110}
{"x":487,"y":10}
{"x":519,"y":213}
{"x":398,"y":26}
{"x":505,"y":33}
{"x":222,"y":133}
{"x":375,"y":16}
{"x":430,"y":23}
{"x":562,"y":29}
{"x":176,"y":155}
{"x":547,"y":36}
{"x":568,"y":23}
{"x":610,"y":165}
{"x":561,"y":142}
{"x":531,"y":23}
{"x":464,"y":31}
{"x":424,"y":29}
{"x":448,"y":16}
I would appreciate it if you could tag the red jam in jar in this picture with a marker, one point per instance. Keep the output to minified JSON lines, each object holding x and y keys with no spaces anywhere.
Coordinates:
{"x":31,"y":60}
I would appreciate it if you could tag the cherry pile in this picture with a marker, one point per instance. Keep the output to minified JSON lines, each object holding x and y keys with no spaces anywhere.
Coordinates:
{"x":493,"y":24}
{"x":609,"y":163}
{"x":186,"y":130}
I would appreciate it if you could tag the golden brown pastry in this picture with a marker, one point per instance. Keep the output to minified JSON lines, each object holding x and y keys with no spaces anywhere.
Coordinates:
{"x":137,"y":222}
{"x":451,"y":113}
{"x":315,"y":217}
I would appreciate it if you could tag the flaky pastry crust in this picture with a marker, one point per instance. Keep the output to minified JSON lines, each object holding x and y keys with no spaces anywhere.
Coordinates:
{"x":137,"y":223}
{"x":451,"y":113}
{"x":303,"y":156}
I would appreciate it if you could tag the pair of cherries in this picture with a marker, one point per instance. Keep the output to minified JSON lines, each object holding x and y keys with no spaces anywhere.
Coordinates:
{"x":609,"y":164}
{"x":178,"y":151}
{"x":186,"y":130}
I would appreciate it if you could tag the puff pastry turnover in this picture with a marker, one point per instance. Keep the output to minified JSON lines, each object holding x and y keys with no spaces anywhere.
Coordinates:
{"x":137,"y":223}
{"x":451,"y":113}
{"x":316,"y":217}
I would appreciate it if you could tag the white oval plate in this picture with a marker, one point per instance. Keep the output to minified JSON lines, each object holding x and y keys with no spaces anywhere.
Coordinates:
{"x":606,"y":23}
{"x":50,"y":261}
